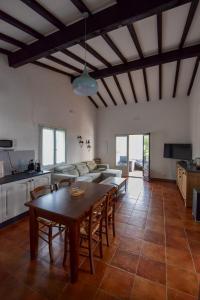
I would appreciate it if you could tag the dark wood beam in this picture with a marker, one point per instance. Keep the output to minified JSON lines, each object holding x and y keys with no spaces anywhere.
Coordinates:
{"x":18,"y":24}
{"x":150,"y":61}
{"x":63,"y":63}
{"x":39,"y":9}
{"x":120,"y":89}
{"x":191,"y":13}
{"x":139,"y":49}
{"x":159,"y":33}
{"x":78,"y":58}
{"x":101,"y":22}
{"x":93,"y":102}
{"x":40,"y":64}
{"x":132,"y":87}
{"x":123,"y":59}
{"x":4,"y":51}
{"x":105,"y":62}
{"x":102,"y":100}
{"x":81,"y":6}
{"x":11,"y":40}
{"x":112,"y":45}
{"x":108,"y":91}
{"x":193,"y":76}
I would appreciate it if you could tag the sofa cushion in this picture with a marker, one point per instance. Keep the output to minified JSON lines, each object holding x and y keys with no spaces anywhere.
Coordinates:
{"x":68,"y":169}
{"x":94,"y":176}
{"x":91,"y":165}
{"x":85,"y":178}
{"x":82,"y":168}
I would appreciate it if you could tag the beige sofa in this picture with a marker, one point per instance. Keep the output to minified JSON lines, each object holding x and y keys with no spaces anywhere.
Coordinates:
{"x":87,"y":171}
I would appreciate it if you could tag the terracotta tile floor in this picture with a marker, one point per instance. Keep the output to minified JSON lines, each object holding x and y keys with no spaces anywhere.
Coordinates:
{"x":155,"y":255}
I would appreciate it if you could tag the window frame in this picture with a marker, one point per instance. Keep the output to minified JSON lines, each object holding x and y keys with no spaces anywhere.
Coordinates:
{"x":41,"y":127}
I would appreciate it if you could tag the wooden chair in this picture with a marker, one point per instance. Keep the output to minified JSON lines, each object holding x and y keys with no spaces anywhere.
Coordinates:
{"x":64,"y":183}
{"x":46,"y":227}
{"x":91,"y":232}
{"x":110,"y":213}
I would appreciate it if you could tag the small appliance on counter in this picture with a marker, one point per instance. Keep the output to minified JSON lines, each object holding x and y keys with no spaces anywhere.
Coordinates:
{"x":37,"y":167}
{"x":31,"y":166}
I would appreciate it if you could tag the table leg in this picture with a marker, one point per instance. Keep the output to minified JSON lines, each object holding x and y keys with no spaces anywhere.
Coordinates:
{"x":74,"y":239}
{"x":33,"y":227}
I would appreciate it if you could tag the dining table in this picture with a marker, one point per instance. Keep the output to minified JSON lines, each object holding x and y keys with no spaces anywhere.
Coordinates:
{"x":63,"y":208}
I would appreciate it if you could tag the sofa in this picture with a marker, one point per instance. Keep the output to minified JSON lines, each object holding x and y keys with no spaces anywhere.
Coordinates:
{"x":87,"y":171}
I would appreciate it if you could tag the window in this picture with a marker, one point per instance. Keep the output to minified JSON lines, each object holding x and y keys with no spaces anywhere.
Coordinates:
{"x":53,"y":146}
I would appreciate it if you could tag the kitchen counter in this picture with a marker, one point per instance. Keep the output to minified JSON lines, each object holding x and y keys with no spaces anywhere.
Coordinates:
{"x":21,"y":176}
{"x":187,"y":168}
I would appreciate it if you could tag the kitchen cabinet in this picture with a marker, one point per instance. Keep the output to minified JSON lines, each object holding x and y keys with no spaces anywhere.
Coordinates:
{"x":187,"y":179}
{"x":15,"y":194}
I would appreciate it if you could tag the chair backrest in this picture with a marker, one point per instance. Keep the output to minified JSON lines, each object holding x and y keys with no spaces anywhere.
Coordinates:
{"x":65,"y":182}
{"x":97,"y":213}
{"x":41,"y":191}
{"x":111,"y":198}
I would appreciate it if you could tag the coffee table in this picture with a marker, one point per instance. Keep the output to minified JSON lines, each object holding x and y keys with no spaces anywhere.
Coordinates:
{"x":119,"y":182}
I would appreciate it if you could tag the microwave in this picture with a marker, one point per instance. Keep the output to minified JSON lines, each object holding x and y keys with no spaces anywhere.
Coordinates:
{"x":6,"y":144}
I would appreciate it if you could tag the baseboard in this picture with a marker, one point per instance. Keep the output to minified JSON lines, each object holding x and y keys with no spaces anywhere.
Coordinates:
{"x":163,"y":180}
{"x":13,"y":220}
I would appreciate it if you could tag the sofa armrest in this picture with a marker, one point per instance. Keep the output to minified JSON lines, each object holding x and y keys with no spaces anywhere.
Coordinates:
{"x":56,"y":177}
{"x":103,"y":166}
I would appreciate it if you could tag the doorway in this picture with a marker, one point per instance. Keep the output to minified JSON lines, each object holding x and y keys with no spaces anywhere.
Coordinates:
{"x":133,"y":155}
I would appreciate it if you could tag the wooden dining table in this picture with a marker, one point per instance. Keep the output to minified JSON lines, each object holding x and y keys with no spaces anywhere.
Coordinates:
{"x":63,"y":208}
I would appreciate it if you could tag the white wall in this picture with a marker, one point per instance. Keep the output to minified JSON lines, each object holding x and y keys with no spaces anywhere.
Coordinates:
{"x":166,"y":120}
{"x":30,"y":96}
{"x":195,"y":117}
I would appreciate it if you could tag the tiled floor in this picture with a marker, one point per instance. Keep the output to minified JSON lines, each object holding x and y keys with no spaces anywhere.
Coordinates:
{"x":155,"y":255}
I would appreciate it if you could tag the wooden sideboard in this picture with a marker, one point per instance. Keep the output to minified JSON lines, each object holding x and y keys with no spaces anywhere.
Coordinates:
{"x":187,"y":179}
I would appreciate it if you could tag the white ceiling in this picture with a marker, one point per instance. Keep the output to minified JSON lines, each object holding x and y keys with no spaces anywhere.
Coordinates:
{"x":146,"y":29}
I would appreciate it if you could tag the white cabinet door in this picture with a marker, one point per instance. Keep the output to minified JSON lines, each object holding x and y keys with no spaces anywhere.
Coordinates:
{"x":14,"y":196}
{"x":1,"y":206}
{"x":41,"y":180}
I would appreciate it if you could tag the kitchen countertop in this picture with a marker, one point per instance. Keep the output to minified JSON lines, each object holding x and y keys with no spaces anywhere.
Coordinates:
{"x":192,"y":169}
{"x":21,"y":176}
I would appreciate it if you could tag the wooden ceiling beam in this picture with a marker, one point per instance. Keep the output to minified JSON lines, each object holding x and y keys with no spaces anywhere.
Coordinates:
{"x":18,"y":24}
{"x":123,"y":59}
{"x":196,"y":66}
{"x":63,"y":63}
{"x":101,"y":22}
{"x":4,"y":51}
{"x":11,"y":40}
{"x":81,"y":6}
{"x":132,"y":87}
{"x":139,"y":49}
{"x":78,"y":59}
{"x":93,"y":102}
{"x":191,"y":13}
{"x":39,"y":9}
{"x":150,"y":61}
{"x":105,"y":62}
{"x":40,"y":64}
{"x":102,"y":100}
{"x":108,"y":91}
{"x":159,"y":33}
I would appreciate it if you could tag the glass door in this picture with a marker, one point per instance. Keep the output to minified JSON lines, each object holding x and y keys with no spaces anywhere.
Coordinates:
{"x":121,"y":159}
{"x":146,"y":156}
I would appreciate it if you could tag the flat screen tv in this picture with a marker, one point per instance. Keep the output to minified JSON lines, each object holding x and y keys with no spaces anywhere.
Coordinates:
{"x":178,"y":151}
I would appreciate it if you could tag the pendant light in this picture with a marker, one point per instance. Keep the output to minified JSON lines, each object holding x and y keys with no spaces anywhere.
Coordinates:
{"x":85,"y":85}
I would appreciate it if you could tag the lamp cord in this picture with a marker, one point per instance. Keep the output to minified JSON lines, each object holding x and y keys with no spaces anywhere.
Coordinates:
{"x":85,"y":44}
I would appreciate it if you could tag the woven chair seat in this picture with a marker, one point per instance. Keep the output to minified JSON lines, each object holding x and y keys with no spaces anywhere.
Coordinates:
{"x":46,"y":222}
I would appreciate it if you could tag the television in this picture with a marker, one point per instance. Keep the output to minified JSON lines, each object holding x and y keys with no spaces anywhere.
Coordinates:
{"x":178,"y":151}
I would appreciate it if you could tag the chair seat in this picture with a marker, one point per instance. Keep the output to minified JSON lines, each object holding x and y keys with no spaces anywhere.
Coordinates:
{"x":46,"y":222}
{"x":84,"y":228}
